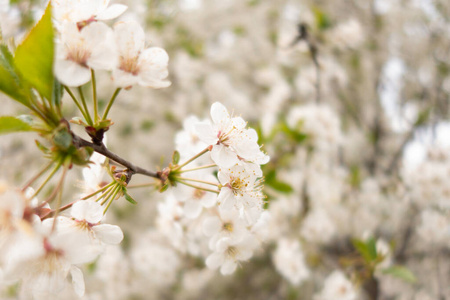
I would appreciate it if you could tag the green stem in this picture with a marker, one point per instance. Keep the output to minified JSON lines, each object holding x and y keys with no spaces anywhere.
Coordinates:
{"x":198,"y":168}
{"x":112,"y":199}
{"x":196,"y":180}
{"x":76,"y":102}
{"x":83,"y":101}
{"x":110,"y":103}
{"x":141,"y":185}
{"x":191,"y":159}
{"x":58,"y":203}
{"x":30,"y":182}
{"x":46,"y":180}
{"x":98,"y":191}
{"x":198,"y":187}
{"x":94,"y":95}
{"x":107,"y":195}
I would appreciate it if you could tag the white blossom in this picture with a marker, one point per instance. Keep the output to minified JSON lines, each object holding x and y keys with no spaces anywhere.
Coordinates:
{"x":137,"y":64}
{"x":78,"y":51}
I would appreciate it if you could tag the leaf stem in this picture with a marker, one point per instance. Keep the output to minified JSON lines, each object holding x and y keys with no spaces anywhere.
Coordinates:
{"x":110,"y":103}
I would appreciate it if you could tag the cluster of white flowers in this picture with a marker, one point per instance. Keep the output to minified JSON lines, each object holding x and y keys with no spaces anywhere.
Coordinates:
{"x":228,"y":216}
{"x":41,"y":254}
{"x":86,"y":42}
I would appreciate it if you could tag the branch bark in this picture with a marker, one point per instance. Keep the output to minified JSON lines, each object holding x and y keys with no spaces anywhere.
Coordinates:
{"x":101,"y":148}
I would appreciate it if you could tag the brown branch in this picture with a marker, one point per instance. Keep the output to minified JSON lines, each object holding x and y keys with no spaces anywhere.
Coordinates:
{"x":101,"y":148}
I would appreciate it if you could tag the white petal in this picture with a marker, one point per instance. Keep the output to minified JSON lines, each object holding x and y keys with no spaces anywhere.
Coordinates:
{"x":226,"y":199}
{"x":77,"y":281}
{"x":206,"y":133}
{"x":223,"y":156}
{"x":130,"y":39}
{"x":214,"y":260}
{"x":71,"y":74}
{"x":211,"y":226}
{"x":90,"y":211}
{"x":219,"y":112}
{"x":124,"y":79}
{"x":99,"y":40}
{"x":112,"y":12}
{"x":108,"y":234}
{"x":228,"y":267}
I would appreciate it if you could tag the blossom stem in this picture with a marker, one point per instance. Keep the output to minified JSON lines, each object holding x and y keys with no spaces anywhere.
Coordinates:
{"x":141,"y":185}
{"x":30,"y":182}
{"x":196,"y":180}
{"x":192,"y":159}
{"x":46,"y":180}
{"x":198,"y":168}
{"x":110,"y":103}
{"x":198,"y":187}
{"x":83,"y":101}
{"x":58,"y":203}
{"x":94,"y":95}
{"x":98,"y":191}
{"x":76,"y":102}
{"x":107,"y":195}
{"x":112,"y":199}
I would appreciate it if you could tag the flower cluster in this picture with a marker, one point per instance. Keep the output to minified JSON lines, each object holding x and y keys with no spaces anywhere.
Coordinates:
{"x":86,"y":43}
{"x":228,"y":215}
{"x":41,"y":254}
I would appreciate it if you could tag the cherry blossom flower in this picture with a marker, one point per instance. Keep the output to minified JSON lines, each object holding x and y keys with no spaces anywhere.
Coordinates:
{"x":229,"y":225}
{"x":230,"y":140}
{"x":137,"y":65}
{"x":228,"y":252}
{"x":239,"y":189}
{"x":80,"y":50}
{"x":85,"y":11}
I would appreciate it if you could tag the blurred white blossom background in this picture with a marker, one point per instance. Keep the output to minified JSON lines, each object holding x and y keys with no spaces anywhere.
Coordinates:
{"x":350,"y":99}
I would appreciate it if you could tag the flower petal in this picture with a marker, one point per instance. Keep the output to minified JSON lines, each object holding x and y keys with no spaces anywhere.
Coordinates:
{"x":77,"y":281}
{"x":108,"y":234}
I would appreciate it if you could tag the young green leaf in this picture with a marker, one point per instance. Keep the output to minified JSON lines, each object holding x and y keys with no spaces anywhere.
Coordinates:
{"x":129,"y":198}
{"x":34,"y":56}
{"x":401,"y":273}
{"x":9,"y":81}
{"x":9,"y":124}
{"x":175,"y":157}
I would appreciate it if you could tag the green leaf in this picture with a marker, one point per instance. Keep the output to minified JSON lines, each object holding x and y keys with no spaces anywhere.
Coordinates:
{"x":273,"y":182}
{"x":9,"y":124}
{"x":401,"y":273}
{"x":322,"y":19}
{"x":9,"y":81}
{"x":34,"y":57}
{"x":62,"y":139}
{"x":175,"y":157}
{"x":57,"y":93}
{"x":362,"y":248}
{"x":129,"y":198}
{"x":372,"y":248}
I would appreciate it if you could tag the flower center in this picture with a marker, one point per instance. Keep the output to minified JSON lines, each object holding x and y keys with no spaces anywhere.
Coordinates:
{"x":198,"y":194}
{"x":79,"y":55}
{"x":129,"y":64}
{"x":228,"y":227}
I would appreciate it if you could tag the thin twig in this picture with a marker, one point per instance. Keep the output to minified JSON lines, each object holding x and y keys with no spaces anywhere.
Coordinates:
{"x":79,"y":142}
